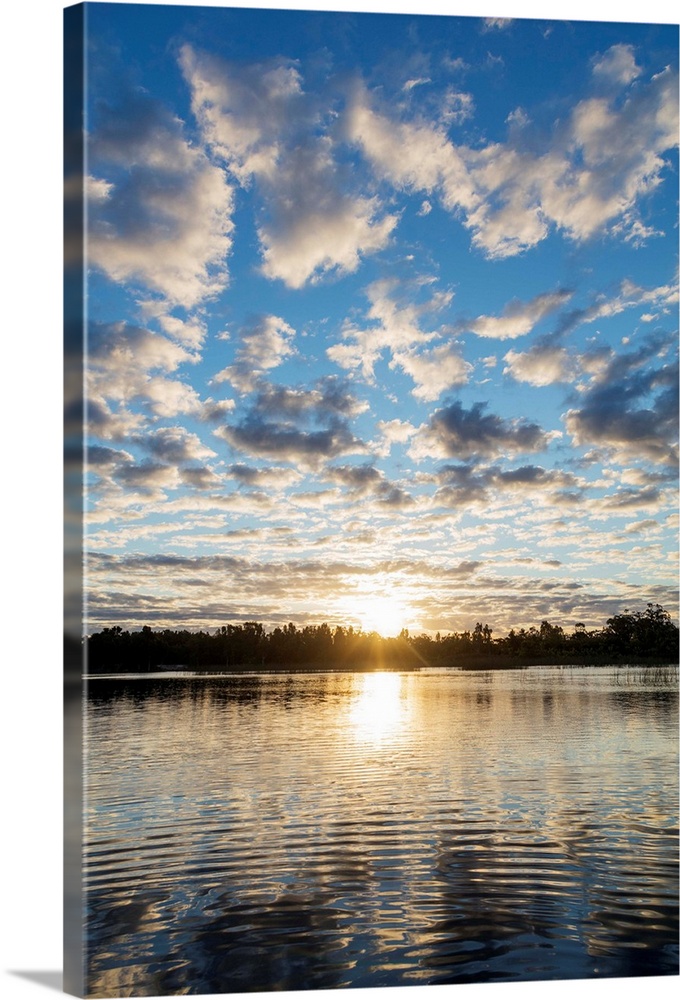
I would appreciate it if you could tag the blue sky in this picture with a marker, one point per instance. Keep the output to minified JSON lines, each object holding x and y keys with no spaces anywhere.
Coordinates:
{"x":382,"y":319}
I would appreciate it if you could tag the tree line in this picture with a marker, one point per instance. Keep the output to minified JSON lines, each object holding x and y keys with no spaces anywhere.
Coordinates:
{"x":639,"y":636}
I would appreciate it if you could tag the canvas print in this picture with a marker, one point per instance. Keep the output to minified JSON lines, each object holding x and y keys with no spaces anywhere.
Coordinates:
{"x":371,"y":522}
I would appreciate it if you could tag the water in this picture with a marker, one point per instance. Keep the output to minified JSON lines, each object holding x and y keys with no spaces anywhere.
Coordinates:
{"x":284,"y":832}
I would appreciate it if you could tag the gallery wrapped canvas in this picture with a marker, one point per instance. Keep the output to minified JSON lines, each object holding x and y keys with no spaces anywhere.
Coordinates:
{"x":371,"y":500}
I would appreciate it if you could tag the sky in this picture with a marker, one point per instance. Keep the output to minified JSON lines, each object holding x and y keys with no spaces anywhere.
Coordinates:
{"x":382,"y":319}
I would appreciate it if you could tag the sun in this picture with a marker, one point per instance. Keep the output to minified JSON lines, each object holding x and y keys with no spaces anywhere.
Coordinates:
{"x":381,"y":615}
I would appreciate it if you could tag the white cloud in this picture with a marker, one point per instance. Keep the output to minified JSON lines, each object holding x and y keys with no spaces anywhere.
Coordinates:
{"x":518,"y":118}
{"x":411,"y":155}
{"x":264,"y":344}
{"x":169,"y":397}
{"x":123,"y":365}
{"x":398,"y":327}
{"x":97,"y":189}
{"x":457,"y":107}
{"x":190,"y":331}
{"x":496,"y":23}
{"x":317,"y":239}
{"x":540,"y":365}
{"x":410,"y":84}
{"x":433,"y":371}
{"x":259,"y":120}
{"x":165,"y":220}
{"x":518,"y":318}
{"x":617,"y":65}
{"x":392,"y":432}
{"x":586,"y":176}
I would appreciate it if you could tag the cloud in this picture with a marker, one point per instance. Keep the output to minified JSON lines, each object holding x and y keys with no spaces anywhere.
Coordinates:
{"x":617,"y":65}
{"x":98,"y":456}
{"x":120,"y":349}
{"x":261,"y":123}
{"x":412,"y":155}
{"x":467,"y":484}
{"x":360,"y":479}
{"x":454,"y":432}
{"x":200,"y":478}
{"x":169,"y":397}
{"x":276,"y":477}
{"x":433,"y":371}
{"x":548,"y":362}
{"x":160,"y":213}
{"x":518,"y":318}
{"x":398,"y":328}
{"x":541,"y":365}
{"x":585,"y":177}
{"x":322,"y":233}
{"x":281,"y":442}
{"x":457,"y":107}
{"x":244,"y":111}
{"x":175,"y":444}
{"x":149,"y":477}
{"x":392,"y":432}
{"x":265,"y":342}
{"x":327,"y":399}
{"x":518,"y":118}
{"x":631,"y":408}
{"x":628,"y":498}
{"x":496,"y":23}
{"x":106,"y":423}
{"x":190,"y":331}
{"x":303,"y":425}
{"x":123,"y":365}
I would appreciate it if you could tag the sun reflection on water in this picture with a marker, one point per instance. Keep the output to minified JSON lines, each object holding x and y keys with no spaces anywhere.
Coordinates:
{"x":378,"y":710}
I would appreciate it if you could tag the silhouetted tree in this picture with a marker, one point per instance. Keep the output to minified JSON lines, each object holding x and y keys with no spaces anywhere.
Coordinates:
{"x":637,"y":636}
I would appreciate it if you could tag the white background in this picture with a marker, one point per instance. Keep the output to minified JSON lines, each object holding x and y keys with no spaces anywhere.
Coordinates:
{"x":30,"y":489}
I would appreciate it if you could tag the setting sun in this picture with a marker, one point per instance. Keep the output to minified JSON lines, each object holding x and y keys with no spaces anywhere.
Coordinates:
{"x":382,"y":615}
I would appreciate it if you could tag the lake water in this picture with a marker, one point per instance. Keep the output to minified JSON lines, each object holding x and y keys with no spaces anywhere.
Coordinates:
{"x":283,"y":832}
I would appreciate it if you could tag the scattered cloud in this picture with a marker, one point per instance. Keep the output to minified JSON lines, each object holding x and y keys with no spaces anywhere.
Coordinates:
{"x":397,"y":329}
{"x":630,"y":409}
{"x":265,"y":342}
{"x":518,"y":318}
{"x":433,"y":371}
{"x":160,"y":212}
{"x":298,"y":426}
{"x":262,"y":124}
{"x":496,"y":23}
{"x":586,"y":176}
{"x":263,"y":447}
{"x":617,"y":65}
{"x":541,"y":365}
{"x":456,"y":432}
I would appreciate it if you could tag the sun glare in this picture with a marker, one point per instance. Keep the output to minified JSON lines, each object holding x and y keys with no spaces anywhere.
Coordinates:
{"x":378,"y":710}
{"x":380,"y":614}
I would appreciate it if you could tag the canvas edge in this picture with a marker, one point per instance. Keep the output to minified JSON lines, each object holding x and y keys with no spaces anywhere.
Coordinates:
{"x":74,"y":944}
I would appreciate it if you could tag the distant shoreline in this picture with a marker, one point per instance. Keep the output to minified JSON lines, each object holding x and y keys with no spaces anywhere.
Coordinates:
{"x":482,"y":663}
{"x":647,"y":637}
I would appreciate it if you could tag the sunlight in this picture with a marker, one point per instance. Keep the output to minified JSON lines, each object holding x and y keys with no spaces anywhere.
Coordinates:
{"x":377,"y":713}
{"x":381,"y":615}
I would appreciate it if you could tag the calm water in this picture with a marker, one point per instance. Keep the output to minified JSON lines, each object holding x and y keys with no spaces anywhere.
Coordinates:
{"x":286,"y":832}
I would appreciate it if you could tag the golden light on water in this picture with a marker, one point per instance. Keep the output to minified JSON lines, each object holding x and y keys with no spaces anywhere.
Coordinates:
{"x":378,"y":709}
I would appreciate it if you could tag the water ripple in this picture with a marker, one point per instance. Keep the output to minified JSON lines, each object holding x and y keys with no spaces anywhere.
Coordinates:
{"x":322,"y":831}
